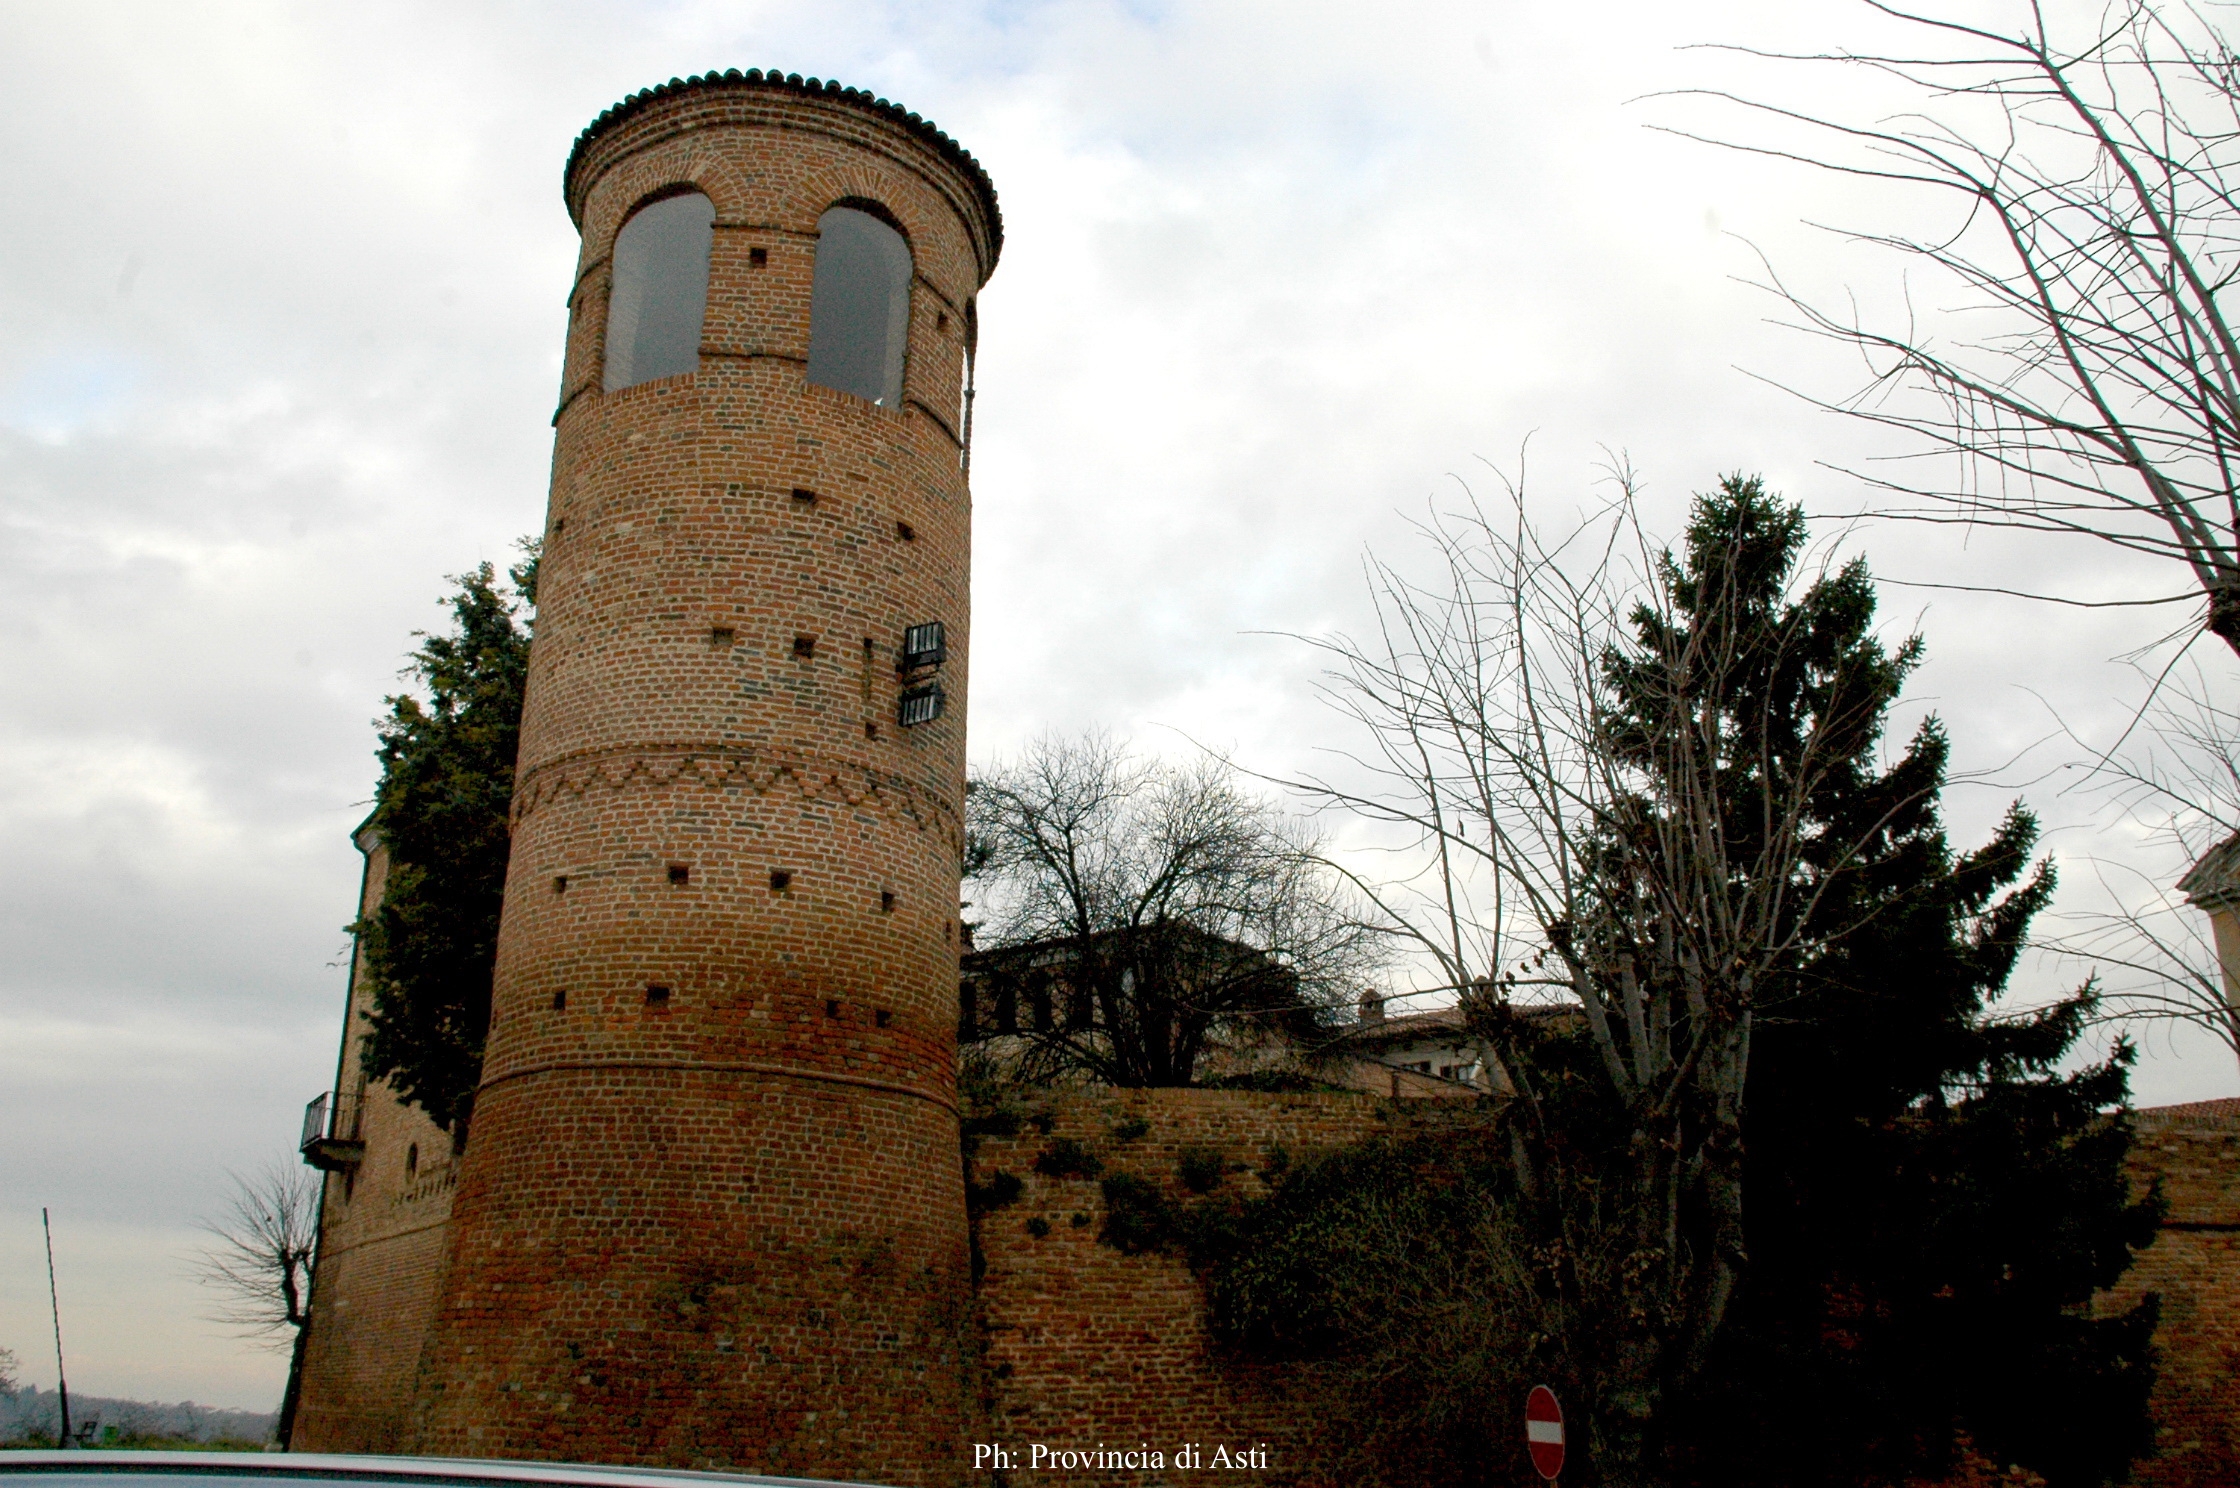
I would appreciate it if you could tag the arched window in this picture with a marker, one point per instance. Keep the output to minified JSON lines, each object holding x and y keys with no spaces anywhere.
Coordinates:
{"x":859,"y":312}
{"x":660,"y":290}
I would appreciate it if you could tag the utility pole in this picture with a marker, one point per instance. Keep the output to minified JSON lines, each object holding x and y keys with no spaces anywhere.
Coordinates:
{"x":54,"y":1300}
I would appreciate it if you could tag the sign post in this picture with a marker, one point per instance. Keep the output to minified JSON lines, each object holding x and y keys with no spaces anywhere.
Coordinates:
{"x":1543,"y":1431}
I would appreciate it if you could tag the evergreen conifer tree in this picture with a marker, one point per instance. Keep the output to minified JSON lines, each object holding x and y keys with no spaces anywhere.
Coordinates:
{"x":1930,"y":1196}
{"x":1933,"y":1197}
{"x":442,"y":811}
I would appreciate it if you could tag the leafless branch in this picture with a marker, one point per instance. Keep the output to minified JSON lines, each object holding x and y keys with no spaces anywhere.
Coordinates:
{"x":259,"y":1257}
{"x":2093,"y":388}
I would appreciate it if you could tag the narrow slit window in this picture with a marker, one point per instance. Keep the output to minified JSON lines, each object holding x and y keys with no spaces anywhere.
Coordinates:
{"x":660,"y":290}
{"x":859,"y":308}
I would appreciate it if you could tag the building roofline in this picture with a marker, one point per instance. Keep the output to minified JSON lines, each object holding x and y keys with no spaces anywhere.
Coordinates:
{"x":821,"y":88}
{"x":2211,"y":881}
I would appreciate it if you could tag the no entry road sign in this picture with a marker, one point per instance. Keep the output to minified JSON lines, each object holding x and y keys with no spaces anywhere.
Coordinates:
{"x":1543,"y":1431}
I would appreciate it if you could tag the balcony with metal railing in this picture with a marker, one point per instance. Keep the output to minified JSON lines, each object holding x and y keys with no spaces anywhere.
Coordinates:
{"x":331,"y":1138}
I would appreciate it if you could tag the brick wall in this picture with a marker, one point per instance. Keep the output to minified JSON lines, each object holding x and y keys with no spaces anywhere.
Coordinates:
{"x":2195,"y":1266}
{"x":1088,"y":1346}
{"x":382,"y":1231}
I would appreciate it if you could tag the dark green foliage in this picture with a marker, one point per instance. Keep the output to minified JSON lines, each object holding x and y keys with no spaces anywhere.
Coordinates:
{"x":998,"y":1123}
{"x":1137,"y":1216}
{"x":442,"y":811}
{"x":1201,"y":1168}
{"x":1043,"y":1122}
{"x":1272,"y":1082}
{"x":1038,"y":1227}
{"x":1080,"y":1219}
{"x":1068,"y":1158}
{"x":1930,"y":1201}
{"x":1129,"y":1130}
{"x":1398,"y":1261}
{"x":999,"y":1190}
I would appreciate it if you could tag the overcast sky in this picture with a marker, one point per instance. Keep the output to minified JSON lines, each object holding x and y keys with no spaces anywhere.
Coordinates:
{"x":281,"y":303}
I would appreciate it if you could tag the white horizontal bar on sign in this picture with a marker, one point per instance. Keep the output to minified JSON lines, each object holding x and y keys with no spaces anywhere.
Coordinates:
{"x":1544,"y":1431}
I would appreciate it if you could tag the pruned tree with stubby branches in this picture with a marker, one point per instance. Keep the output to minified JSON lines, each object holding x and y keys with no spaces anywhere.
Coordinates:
{"x":2083,"y":375}
{"x":258,"y":1261}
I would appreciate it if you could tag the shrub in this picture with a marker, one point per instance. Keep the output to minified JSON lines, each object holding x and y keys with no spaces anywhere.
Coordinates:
{"x":1067,"y":1158}
{"x":1201,"y":1168}
{"x":999,"y":1190}
{"x":1137,"y":1216}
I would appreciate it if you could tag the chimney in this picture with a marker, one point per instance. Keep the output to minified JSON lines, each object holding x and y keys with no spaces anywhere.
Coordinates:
{"x":1372,"y":1006}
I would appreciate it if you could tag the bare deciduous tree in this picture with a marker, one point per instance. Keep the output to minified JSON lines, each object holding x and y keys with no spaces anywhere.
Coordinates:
{"x":2094,"y":388}
{"x":2156,"y":957}
{"x":259,"y":1263}
{"x":1157,"y":908}
{"x":1610,"y":765}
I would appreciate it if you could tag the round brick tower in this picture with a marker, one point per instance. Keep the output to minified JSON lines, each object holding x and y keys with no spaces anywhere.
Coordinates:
{"x":712,"y":1212}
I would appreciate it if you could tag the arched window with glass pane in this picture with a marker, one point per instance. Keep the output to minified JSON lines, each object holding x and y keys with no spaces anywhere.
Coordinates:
{"x":660,"y":290}
{"x":859,"y":311}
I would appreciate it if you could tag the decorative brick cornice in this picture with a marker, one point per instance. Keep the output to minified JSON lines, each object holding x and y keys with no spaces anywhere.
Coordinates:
{"x":718,"y":1067}
{"x":737,"y":768}
{"x":793,"y":83}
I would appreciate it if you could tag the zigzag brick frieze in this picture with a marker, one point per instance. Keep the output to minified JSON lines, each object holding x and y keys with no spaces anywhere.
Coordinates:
{"x":731,"y":768}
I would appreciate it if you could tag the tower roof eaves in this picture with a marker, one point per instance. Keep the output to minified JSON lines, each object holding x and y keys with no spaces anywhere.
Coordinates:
{"x":924,"y":128}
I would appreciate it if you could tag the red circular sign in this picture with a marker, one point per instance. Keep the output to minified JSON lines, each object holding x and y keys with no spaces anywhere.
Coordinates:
{"x":1543,"y":1431}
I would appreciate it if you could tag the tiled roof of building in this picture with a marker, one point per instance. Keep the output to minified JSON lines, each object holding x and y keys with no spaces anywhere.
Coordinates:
{"x":794,"y":82}
{"x":1407,"y":1027}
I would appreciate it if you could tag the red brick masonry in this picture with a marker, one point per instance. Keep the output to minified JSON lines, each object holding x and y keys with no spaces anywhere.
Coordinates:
{"x":2195,"y":1265}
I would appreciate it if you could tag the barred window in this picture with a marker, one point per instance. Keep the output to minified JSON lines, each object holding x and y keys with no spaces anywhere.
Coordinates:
{"x":660,"y":290}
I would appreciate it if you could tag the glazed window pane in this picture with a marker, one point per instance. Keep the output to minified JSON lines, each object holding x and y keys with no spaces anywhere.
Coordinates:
{"x":660,"y":291}
{"x":859,"y":312}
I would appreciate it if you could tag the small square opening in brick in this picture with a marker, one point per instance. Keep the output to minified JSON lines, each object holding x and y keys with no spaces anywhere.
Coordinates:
{"x":780,"y":880}
{"x":804,"y":495}
{"x":832,"y":1007}
{"x":560,"y":883}
{"x":886,"y":900}
{"x":906,"y":532}
{"x":680,"y":873}
{"x":883,"y":1017}
{"x":759,"y":257}
{"x":560,"y":1000}
{"x":559,"y":525}
{"x":804,"y":646}
{"x":720,"y":636}
{"x":941,"y":321}
{"x":871,"y":728}
{"x":656,"y":995}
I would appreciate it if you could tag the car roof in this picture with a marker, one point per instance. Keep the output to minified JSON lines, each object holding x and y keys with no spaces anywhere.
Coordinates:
{"x":339,"y":1467}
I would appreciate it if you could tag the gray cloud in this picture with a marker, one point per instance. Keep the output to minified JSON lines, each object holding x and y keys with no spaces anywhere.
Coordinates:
{"x":283,"y":290}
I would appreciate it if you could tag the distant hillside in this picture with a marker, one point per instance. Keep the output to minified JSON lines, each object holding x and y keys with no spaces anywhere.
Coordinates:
{"x":31,"y":1410}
